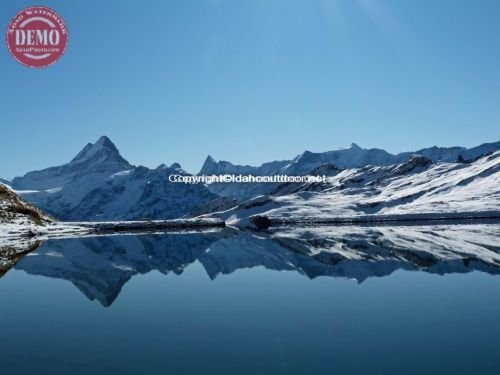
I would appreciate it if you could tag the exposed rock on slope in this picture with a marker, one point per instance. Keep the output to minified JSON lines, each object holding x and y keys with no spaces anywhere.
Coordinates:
{"x":15,"y":210}
{"x":18,"y":219}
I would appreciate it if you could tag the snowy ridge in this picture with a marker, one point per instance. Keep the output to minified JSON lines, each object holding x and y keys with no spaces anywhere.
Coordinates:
{"x":224,"y":167}
{"x":350,"y":157}
{"x":415,"y":187}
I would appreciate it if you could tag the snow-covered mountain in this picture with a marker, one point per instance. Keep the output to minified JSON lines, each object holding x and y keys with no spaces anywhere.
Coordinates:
{"x":415,"y":186}
{"x":92,"y":164}
{"x":99,"y":184}
{"x":58,"y":190}
{"x":353,"y":156}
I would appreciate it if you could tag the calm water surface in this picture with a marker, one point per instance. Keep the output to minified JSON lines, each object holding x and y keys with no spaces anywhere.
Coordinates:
{"x":226,"y":302}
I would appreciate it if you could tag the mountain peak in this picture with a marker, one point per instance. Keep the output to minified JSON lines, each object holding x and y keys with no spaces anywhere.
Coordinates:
{"x":354,"y":146}
{"x":210,"y":160}
{"x":208,"y":165}
{"x":306,"y":154}
{"x":104,"y":141}
{"x":102,"y":150}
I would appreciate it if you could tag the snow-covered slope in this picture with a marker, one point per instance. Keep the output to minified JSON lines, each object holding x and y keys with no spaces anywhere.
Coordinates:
{"x":353,"y":156}
{"x":17,"y":216}
{"x":416,"y":186}
{"x":99,"y":184}
{"x":141,"y":193}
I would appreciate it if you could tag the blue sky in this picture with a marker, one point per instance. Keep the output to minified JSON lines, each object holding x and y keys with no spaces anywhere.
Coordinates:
{"x":253,"y":80}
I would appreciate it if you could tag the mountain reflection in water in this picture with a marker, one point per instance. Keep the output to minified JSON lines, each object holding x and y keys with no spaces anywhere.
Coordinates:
{"x":100,"y":266}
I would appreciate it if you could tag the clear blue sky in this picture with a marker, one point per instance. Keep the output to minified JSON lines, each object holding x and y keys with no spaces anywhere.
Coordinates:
{"x":253,"y":80}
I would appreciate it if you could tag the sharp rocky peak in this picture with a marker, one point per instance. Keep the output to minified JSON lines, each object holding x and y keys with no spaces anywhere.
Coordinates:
{"x":208,"y":165}
{"x":103,"y":147}
{"x":210,"y":160}
{"x":354,"y":146}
